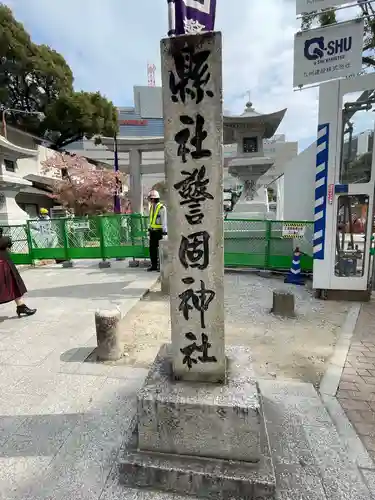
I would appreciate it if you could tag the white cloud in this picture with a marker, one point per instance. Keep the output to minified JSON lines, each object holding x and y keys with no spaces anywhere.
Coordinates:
{"x":109,"y":42}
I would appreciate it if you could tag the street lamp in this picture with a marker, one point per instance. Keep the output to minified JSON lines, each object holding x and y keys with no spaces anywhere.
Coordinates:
{"x":40,"y":115}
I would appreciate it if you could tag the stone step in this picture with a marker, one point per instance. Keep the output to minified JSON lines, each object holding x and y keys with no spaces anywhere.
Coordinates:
{"x":312,"y":460}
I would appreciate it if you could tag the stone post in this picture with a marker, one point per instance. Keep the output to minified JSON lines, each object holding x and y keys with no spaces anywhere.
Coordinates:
{"x":135,"y":178}
{"x":107,"y":335}
{"x":193,"y":136}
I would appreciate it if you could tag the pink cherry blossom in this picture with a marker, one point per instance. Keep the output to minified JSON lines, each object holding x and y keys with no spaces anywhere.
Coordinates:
{"x":85,"y":188}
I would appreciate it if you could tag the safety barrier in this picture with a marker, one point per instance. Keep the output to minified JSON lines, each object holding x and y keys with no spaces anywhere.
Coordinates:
{"x":247,"y":243}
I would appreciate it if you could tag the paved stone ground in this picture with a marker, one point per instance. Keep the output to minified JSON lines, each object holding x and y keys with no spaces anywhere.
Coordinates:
{"x":295,"y":348}
{"x":62,"y":420}
{"x":356,"y":392}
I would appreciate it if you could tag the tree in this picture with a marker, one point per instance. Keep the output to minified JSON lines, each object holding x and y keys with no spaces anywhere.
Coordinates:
{"x":326,"y":17}
{"x":77,"y":115}
{"x":80,"y":186}
{"x":31,"y":76}
{"x":37,"y":78}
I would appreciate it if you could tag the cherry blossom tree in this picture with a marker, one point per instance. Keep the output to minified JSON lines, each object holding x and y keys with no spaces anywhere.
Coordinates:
{"x":80,"y":186}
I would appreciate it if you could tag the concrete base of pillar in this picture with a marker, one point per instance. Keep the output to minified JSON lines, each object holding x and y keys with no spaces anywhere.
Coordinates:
{"x":104,"y":264}
{"x":67,"y":264}
{"x":207,"y":440}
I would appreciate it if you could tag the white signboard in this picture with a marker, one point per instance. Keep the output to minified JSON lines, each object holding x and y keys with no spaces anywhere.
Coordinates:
{"x":306,"y":6}
{"x":81,"y":225}
{"x":294,"y":230}
{"x":328,"y":53}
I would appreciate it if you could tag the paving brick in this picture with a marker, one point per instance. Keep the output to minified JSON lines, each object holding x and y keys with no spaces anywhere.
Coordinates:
{"x":343,"y":395}
{"x":355,"y":416}
{"x":370,"y":354}
{"x":364,"y":373}
{"x":348,"y":386}
{"x":368,"y":417}
{"x":363,"y":395}
{"x":360,"y":395}
{"x":365,"y":429}
{"x":369,"y":442}
{"x":352,"y":404}
{"x":364,"y":365}
{"x":349,"y":371}
{"x":347,"y":378}
{"x":369,"y":381}
{"x":370,"y":345}
{"x":358,"y":348}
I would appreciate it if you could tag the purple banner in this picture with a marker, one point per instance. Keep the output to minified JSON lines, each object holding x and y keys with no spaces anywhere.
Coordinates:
{"x":191,"y":16}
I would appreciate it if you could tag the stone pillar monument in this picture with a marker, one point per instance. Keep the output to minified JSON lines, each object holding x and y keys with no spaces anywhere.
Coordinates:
{"x":194,"y":173}
{"x":200,"y":428}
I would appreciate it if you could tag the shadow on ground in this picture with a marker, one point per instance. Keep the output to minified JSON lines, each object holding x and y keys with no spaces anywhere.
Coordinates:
{"x":92,"y":290}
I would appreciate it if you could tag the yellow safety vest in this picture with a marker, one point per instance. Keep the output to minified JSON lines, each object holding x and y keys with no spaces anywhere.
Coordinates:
{"x":155,"y":218}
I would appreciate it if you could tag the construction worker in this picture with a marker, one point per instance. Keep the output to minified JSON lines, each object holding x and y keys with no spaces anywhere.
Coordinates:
{"x":157,"y":227}
{"x":43,"y":232}
{"x":44,"y":214}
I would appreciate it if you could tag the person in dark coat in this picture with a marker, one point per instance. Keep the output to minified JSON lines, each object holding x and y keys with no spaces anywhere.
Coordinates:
{"x":12,"y":286}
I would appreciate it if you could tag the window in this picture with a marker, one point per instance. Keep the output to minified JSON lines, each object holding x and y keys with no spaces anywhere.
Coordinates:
{"x":357,"y":140}
{"x":351,"y":227}
{"x":250,"y":145}
{"x":10,"y":165}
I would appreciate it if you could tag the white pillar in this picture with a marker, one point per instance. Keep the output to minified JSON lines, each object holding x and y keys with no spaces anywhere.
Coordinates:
{"x":135,"y":180}
{"x":194,"y":173}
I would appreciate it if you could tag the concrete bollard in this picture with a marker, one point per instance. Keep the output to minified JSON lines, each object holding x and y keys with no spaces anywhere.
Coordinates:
{"x":107,"y":335}
{"x":67,"y":264}
{"x":134,"y":263}
{"x":283,"y":304}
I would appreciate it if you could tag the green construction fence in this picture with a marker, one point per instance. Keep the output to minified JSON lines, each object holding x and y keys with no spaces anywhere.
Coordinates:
{"x":247,"y":243}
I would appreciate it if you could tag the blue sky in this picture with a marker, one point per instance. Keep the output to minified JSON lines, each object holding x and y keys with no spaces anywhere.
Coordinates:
{"x":108,"y":43}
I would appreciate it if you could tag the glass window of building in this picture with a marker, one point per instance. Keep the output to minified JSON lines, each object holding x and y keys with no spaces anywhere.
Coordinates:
{"x":356,"y":143}
{"x":351,"y":228}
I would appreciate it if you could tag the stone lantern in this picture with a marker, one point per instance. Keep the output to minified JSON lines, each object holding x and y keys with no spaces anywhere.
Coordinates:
{"x":11,"y":183}
{"x":247,"y":131}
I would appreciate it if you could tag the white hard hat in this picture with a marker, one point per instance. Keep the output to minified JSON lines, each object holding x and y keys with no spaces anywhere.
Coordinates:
{"x":154,"y":194}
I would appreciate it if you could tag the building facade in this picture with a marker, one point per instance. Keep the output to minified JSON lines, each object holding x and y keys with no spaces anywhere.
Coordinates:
{"x":145,"y":120}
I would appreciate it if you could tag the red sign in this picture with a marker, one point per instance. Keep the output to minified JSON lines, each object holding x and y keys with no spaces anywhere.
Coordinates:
{"x":133,"y":122}
{"x":331,"y":190}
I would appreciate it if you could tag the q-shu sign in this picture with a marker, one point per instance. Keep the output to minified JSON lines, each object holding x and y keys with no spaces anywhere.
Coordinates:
{"x":193,"y":133}
{"x":307,"y":6}
{"x":328,"y":53}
